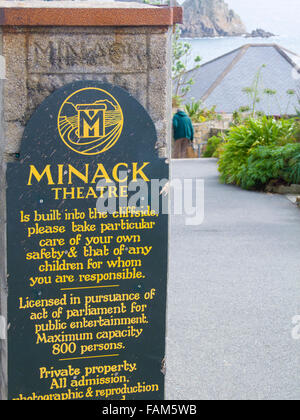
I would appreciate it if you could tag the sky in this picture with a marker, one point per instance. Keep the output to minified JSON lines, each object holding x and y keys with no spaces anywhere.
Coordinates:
{"x":278,"y":16}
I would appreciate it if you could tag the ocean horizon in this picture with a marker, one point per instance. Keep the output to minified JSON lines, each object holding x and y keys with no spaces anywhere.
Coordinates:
{"x":211,"y":48}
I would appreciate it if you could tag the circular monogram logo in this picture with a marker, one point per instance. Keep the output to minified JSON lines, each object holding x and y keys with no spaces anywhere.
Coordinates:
{"x":90,"y":121}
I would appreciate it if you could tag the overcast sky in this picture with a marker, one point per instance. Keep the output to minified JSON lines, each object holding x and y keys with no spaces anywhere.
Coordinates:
{"x":279,"y":16}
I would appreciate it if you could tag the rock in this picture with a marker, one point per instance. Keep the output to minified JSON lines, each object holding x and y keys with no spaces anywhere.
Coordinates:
{"x":259,"y":33}
{"x":287,"y":189}
{"x":210,"y":18}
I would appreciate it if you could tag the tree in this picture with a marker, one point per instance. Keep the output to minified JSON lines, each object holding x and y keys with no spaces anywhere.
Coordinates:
{"x":181,"y":76}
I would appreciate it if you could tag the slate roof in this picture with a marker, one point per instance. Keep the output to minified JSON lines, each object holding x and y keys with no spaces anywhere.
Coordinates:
{"x":221,"y":81}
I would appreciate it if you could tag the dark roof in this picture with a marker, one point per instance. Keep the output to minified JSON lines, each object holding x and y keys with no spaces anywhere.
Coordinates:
{"x":221,"y":81}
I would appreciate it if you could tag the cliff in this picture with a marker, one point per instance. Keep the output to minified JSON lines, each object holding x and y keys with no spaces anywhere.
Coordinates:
{"x":210,"y":18}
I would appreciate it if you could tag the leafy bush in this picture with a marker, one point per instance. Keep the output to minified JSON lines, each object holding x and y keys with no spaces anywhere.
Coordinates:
{"x":254,"y":152}
{"x":293,"y":169}
{"x":266,"y":163}
{"x":297,"y":132}
{"x":212,"y":147}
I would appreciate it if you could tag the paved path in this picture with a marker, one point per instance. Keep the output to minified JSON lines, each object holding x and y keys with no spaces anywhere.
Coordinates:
{"x":234,"y":288}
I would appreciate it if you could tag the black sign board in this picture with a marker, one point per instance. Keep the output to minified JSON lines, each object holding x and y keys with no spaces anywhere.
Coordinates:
{"x":87,"y":251}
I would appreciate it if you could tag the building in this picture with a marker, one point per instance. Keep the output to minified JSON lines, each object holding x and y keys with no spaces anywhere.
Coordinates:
{"x":265,"y":74}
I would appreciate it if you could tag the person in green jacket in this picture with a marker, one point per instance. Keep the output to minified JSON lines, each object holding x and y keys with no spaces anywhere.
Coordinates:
{"x":183,"y":133}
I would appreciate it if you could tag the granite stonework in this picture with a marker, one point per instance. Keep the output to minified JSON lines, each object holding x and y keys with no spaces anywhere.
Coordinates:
{"x":3,"y":285}
{"x":42,"y":59}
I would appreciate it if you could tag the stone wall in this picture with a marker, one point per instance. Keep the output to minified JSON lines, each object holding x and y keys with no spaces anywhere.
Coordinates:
{"x":203,"y":131}
{"x":42,"y":59}
{"x":3,"y":286}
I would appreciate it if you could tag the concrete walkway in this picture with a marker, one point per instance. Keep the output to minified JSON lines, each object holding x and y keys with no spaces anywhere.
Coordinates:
{"x":234,"y":288}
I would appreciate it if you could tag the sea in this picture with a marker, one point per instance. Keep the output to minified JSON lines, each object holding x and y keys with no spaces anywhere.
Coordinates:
{"x":280,"y":17}
{"x":211,"y":48}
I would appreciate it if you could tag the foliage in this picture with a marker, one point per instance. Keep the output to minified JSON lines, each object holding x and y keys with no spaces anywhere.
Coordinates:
{"x":213,"y":147}
{"x":241,"y":160}
{"x":176,"y":102}
{"x":290,"y":94}
{"x":157,"y":2}
{"x":253,"y":90}
{"x":194,"y":110}
{"x":181,"y":76}
{"x":256,"y":92}
{"x":266,"y":163}
{"x":211,"y":114}
{"x":237,"y":118}
{"x":240,"y":116}
{"x":294,"y":166}
{"x":199,"y":114}
{"x":297,"y":131}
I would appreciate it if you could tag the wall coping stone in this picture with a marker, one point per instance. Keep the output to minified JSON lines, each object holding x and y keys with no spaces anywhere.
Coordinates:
{"x":86,"y":13}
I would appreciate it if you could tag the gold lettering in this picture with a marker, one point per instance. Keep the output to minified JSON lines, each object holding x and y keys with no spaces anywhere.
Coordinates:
{"x":38,"y":176}
{"x":139,"y":171}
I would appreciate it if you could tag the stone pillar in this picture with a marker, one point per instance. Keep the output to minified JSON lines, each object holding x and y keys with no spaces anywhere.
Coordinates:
{"x":49,"y":44}
{"x":55,"y":43}
{"x":3,"y":285}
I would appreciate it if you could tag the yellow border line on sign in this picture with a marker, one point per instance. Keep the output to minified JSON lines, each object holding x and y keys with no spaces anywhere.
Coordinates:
{"x":91,"y":287}
{"x":90,"y":357}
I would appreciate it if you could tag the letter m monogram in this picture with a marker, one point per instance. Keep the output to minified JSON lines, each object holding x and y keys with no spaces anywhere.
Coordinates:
{"x":91,"y":121}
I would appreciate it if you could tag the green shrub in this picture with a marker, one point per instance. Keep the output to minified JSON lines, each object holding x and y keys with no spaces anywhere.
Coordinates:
{"x":297,"y":132}
{"x":246,"y":144}
{"x":212,"y":147}
{"x":293,"y":169}
{"x":266,"y":163}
